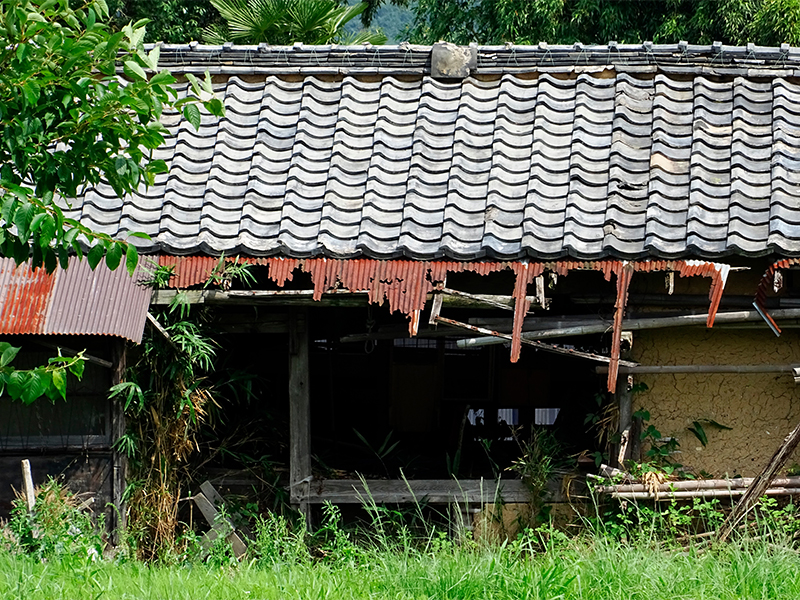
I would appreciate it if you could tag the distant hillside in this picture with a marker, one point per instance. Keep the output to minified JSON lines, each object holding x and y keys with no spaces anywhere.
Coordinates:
{"x":393,"y":20}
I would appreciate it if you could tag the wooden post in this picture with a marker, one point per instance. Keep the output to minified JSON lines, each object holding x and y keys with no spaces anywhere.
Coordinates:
{"x":299,"y":414}
{"x":27,"y":485}
{"x":760,"y":484}
{"x":119,"y":462}
{"x":624,"y":398}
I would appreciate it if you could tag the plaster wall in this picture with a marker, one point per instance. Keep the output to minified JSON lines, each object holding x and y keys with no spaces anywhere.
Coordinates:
{"x":761,"y":408}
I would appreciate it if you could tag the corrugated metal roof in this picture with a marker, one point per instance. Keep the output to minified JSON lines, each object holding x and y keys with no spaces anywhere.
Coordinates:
{"x":75,"y":301}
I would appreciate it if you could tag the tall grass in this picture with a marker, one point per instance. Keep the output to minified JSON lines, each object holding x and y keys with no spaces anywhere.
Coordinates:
{"x":634,"y":554}
{"x":589,"y":567}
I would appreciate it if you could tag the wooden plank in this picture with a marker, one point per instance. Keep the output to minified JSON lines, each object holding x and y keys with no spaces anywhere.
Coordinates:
{"x":211,"y":493}
{"x":207,"y":508}
{"x":624,"y":397}
{"x":219,"y":526}
{"x":433,"y":491}
{"x":27,"y":485}
{"x":302,"y":298}
{"x":760,"y":484}
{"x":237,"y":545}
{"x":436,"y":303}
{"x":299,"y":414}
{"x":119,"y":462}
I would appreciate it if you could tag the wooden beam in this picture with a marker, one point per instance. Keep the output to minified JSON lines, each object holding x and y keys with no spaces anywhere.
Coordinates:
{"x":220,"y":525}
{"x":624,"y":397}
{"x":432,"y":491}
{"x":761,"y":484}
{"x":299,"y":414}
{"x":344,"y":298}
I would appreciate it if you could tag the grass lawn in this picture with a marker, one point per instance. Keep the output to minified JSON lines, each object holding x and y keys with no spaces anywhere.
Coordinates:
{"x":588,"y":568}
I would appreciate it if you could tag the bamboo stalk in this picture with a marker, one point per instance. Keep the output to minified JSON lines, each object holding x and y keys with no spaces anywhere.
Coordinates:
{"x":698,"y":484}
{"x":591,"y":326}
{"x":652,"y":369}
{"x":702,"y":494}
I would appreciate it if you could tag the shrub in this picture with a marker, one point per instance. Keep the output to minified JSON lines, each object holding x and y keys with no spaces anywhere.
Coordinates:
{"x":58,"y":527}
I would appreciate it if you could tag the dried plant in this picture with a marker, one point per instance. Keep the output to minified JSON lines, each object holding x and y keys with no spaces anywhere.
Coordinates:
{"x":166,"y":400}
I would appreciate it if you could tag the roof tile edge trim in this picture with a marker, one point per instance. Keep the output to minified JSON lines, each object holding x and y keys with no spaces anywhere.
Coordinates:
{"x":411,"y":58}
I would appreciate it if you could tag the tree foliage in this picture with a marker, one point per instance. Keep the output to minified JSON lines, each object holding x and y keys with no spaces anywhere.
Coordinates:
{"x":78,"y":104}
{"x":767,"y":22}
{"x":284,"y":22}
{"x":171,"y":21}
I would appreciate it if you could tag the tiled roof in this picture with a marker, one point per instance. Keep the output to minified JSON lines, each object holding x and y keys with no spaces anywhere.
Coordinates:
{"x":693,"y":154}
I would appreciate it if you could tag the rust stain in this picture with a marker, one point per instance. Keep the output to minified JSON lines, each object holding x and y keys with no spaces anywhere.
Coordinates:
{"x":405,"y":284}
{"x":624,"y":273}
{"x":525,"y":274}
{"x":766,"y":282}
{"x":72,"y":301}
{"x":26,"y":297}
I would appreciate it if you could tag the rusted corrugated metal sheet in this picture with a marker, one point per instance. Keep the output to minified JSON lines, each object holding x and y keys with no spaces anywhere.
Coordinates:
{"x":75,"y":301}
{"x":768,"y":281}
{"x":405,"y":284}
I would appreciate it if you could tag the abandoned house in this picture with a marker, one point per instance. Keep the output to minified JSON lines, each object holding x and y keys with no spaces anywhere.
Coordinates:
{"x":450,"y":246}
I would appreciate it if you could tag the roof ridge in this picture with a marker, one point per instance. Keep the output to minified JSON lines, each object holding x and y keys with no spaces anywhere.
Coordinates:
{"x":416,"y":59}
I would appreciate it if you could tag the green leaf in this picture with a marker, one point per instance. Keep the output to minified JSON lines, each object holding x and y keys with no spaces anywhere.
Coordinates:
{"x":23,"y":218}
{"x":17,"y":381}
{"x":95,"y":256}
{"x":9,"y":353}
{"x":131,"y":258}
{"x":121,"y":166}
{"x":36,"y":221}
{"x":60,"y":382}
{"x":76,"y":368}
{"x":133,"y":70}
{"x":699,"y":432}
{"x":102,"y":8}
{"x":192,"y":114}
{"x":114,"y":255}
{"x":196,"y":88}
{"x":36,"y":387}
{"x":162,"y":78}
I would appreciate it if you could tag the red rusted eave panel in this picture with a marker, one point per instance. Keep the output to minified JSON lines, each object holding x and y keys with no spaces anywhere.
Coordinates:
{"x":405,"y":284}
{"x":767,"y":279}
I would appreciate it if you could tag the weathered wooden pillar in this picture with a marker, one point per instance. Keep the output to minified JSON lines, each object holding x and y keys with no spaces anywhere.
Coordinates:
{"x":299,"y":414}
{"x":119,"y":462}
{"x":624,"y":398}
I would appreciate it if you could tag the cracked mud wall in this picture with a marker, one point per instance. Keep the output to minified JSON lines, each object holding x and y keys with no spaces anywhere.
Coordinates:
{"x":761,"y":408}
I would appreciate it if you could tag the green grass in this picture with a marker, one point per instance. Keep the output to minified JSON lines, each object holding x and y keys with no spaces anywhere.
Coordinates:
{"x":585,"y":568}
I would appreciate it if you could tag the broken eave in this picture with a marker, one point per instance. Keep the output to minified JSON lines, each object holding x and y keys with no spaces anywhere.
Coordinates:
{"x":407,"y":285}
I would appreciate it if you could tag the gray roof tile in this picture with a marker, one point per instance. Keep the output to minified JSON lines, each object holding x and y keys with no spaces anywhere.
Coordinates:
{"x":513,"y":162}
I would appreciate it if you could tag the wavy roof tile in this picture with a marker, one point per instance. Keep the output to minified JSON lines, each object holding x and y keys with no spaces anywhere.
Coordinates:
{"x":543,"y":152}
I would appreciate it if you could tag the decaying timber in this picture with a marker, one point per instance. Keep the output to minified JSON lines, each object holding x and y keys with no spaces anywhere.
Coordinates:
{"x":761,"y":484}
{"x":474,"y":492}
